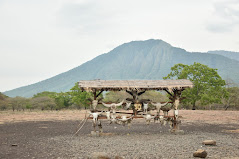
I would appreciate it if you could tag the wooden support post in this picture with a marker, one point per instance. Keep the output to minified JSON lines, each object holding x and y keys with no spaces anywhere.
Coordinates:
{"x":135,"y":112}
{"x":94,"y":93}
{"x":135,"y":95}
{"x":94,"y":103}
{"x":175,"y":98}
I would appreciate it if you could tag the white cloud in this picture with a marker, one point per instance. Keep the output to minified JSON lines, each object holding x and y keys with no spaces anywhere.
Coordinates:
{"x":225,"y":16}
{"x":40,"y":39}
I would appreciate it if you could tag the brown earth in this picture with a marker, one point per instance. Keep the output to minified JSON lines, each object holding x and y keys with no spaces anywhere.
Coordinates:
{"x":49,"y":134}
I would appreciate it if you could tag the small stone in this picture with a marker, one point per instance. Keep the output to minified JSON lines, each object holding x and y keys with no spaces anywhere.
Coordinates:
{"x":95,"y":133}
{"x":99,"y":155}
{"x":200,"y":153}
{"x":119,"y":157}
{"x":106,"y":134}
{"x":209,"y":142}
{"x":176,"y":132}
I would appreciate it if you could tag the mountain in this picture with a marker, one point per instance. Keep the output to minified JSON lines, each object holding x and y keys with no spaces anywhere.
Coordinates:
{"x":150,"y":59}
{"x":228,"y":54}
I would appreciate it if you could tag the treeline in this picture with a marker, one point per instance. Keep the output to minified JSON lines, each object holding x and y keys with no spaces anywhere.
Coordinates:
{"x":210,"y":91}
{"x":228,"y":102}
{"x":74,"y":99}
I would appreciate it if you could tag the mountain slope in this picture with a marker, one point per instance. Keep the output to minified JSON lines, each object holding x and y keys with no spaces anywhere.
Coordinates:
{"x":228,"y":54}
{"x":150,"y":59}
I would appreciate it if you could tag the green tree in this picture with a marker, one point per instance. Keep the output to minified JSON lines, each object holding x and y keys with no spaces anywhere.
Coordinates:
{"x":43,"y":103}
{"x":208,"y":85}
{"x":18,"y":103}
{"x":116,"y":96}
{"x":80,"y":98}
{"x":155,"y":96}
{"x":3,"y":101}
{"x":3,"y":104}
{"x":3,"y":97}
{"x":63,"y":100}
{"x":233,"y":98}
{"x":44,"y":94}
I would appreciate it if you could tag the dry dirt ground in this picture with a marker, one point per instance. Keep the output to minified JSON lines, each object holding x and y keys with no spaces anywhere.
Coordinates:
{"x":49,"y":134}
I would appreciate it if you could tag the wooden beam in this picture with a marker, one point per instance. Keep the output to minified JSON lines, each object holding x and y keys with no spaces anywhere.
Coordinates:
{"x":129,"y":93}
{"x":140,"y":93}
{"x":168,"y":92}
{"x":99,"y":93}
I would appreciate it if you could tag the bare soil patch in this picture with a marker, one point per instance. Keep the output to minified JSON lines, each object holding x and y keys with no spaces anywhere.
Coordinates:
{"x":21,"y":116}
{"x":49,"y":135}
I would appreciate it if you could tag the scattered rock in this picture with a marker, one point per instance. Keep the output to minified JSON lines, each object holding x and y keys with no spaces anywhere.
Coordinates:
{"x":43,"y":127}
{"x":106,"y":134}
{"x":95,"y":133}
{"x":200,"y":153}
{"x":119,"y":157}
{"x":232,"y":131}
{"x":99,"y":155}
{"x":209,"y":142}
{"x":14,"y":144}
{"x":176,"y":132}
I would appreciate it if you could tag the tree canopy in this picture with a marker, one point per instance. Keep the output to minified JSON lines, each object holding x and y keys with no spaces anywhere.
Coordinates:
{"x":80,"y":98}
{"x":44,"y":94}
{"x":208,"y":85}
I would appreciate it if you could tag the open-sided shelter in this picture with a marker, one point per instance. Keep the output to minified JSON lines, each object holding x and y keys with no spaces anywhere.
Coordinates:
{"x":137,"y":87}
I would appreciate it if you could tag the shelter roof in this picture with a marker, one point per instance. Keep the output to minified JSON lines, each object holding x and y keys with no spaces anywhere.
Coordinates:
{"x":117,"y":85}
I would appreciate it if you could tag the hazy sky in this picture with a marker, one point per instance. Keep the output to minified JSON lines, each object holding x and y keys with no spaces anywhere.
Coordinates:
{"x":42,"y":38}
